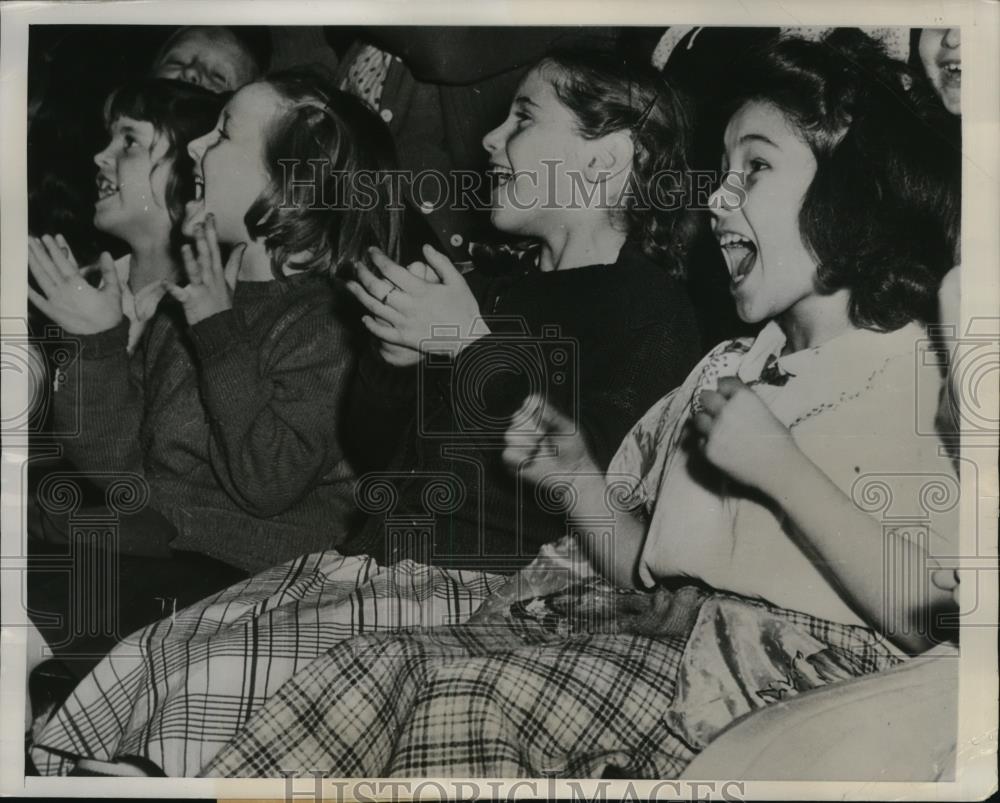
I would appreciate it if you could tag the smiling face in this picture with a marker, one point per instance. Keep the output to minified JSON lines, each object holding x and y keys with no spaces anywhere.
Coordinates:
{"x":208,"y":57}
{"x":771,"y":270}
{"x":230,"y":173}
{"x":941,"y":54}
{"x":538,"y":162}
{"x":131,"y":184}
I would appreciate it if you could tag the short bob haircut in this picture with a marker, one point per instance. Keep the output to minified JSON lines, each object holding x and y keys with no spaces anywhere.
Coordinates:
{"x":178,"y":111}
{"x":882,"y":215}
{"x":608,"y":93}
{"x":329,"y":159}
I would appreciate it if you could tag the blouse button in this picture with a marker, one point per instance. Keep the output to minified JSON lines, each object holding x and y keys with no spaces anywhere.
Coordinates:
{"x":386,"y":114}
{"x":456,"y":240}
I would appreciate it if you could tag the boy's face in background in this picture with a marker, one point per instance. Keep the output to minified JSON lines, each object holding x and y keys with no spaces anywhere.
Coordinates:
{"x":209,"y":57}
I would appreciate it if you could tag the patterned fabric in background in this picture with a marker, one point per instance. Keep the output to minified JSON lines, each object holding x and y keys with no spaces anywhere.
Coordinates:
{"x":366,"y":75}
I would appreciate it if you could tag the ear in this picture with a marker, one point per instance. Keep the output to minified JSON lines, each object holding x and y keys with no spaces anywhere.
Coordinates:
{"x":609,"y":158}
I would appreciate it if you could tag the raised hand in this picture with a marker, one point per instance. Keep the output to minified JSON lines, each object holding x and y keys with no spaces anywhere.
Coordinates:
{"x":210,"y":285}
{"x":401,"y":356}
{"x":741,"y":436}
{"x":405,"y":309}
{"x":66,"y":297}
{"x":543,"y":446}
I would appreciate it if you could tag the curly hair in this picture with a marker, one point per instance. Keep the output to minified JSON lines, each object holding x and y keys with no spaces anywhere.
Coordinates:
{"x":608,"y":93}
{"x":178,"y":111}
{"x":882,"y":213}
{"x":338,"y":199}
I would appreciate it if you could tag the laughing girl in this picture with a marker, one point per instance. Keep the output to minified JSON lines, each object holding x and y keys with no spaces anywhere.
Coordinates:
{"x":229,"y":410}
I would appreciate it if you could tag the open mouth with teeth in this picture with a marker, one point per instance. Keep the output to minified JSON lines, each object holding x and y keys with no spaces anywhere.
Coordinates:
{"x":740,"y":253}
{"x":951,"y":73}
{"x":498,"y":175}
{"x":199,"y":188}
{"x":105,"y":188}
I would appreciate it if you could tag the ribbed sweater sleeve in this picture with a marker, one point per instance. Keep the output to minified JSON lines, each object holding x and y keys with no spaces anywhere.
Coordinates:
{"x":101,"y":399}
{"x":273,"y":428}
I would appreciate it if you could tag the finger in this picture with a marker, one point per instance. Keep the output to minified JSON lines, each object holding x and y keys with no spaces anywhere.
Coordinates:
{"x":67,"y":251}
{"x":109,"y":274}
{"x":180,"y":293}
{"x":551,"y":419}
{"x":212,"y":240}
{"x":729,"y":386}
{"x":423,"y":272}
{"x":42,"y":303}
{"x":373,"y":305}
{"x":395,"y":273}
{"x":234,"y":264}
{"x":370,"y":282}
{"x":42,"y":269}
{"x":384,"y":332}
{"x":203,"y":252}
{"x":191,"y":266}
{"x":58,"y":258}
{"x":712,"y":402}
{"x":703,"y":422}
{"x":442,"y":265}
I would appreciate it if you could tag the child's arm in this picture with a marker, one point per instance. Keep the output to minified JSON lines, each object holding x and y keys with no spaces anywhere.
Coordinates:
{"x":743,"y":438}
{"x":551,"y":452}
{"x":275,"y":410}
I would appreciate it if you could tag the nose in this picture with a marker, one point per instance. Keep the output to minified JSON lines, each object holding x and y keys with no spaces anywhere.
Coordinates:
{"x":196,"y":147}
{"x":192,"y":75}
{"x":103,"y":158}
{"x":952,"y":37}
{"x":493,"y":141}
{"x":726,"y":197}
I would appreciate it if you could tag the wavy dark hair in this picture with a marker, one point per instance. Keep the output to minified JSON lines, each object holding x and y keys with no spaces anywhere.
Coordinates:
{"x":882,"y":215}
{"x":329,"y":159}
{"x":608,"y":93}
{"x":178,"y":111}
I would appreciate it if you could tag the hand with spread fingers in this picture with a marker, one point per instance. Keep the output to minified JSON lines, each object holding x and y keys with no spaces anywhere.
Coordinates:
{"x":404,"y":309}
{"x":741,"y":436}
{"x":66,"y":297}
{"x":210,"y":285}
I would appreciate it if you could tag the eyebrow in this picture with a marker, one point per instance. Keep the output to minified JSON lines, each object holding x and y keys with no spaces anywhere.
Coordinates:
{"x":757,"y":138}
{"x":524,"y":100}
{"x":128,"y":128}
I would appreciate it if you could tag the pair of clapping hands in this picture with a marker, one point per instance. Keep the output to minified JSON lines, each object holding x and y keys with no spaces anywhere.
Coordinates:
{"x":409,"y":307}
{"x":70,"y":301}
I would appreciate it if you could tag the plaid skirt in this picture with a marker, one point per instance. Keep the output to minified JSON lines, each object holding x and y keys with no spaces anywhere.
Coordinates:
{"x":575,"y":684}
{"x":329,"y":664}
{"x":176,"y":692}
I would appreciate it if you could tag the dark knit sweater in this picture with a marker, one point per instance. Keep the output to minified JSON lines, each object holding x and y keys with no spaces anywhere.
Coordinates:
{"x":603,"y":342}
{"x":232,"y":422}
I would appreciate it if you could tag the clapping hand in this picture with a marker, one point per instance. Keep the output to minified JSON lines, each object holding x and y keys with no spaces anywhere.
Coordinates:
{"x":210,"y":285}
{"x":404,"y":308}
{"x":66,"y":297}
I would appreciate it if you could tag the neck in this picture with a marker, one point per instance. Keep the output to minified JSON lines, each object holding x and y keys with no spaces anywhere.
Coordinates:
{"x":256,"y":266}
{"x":150,"y":263}
{"x":568,"y":248}
{"x":815,"y":320}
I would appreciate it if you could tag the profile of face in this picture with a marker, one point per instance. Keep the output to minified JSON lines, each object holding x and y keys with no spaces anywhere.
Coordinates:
{"x":941,"y":54}
{"x":230,"y":171}
{"x":131,"y":183}
{"x":543,"y":170}
{"x":756,"y":213}
{"x":209,"y":57}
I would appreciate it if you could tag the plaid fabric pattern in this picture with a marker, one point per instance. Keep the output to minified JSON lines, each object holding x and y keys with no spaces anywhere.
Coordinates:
{"x":525,"y":699}
{"x":177,"y":691}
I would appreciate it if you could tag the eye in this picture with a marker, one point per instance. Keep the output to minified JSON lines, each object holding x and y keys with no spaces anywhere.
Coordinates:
{"x":522,"y":117}
{"x":756,"y":165}
{"x":130,"y":141}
